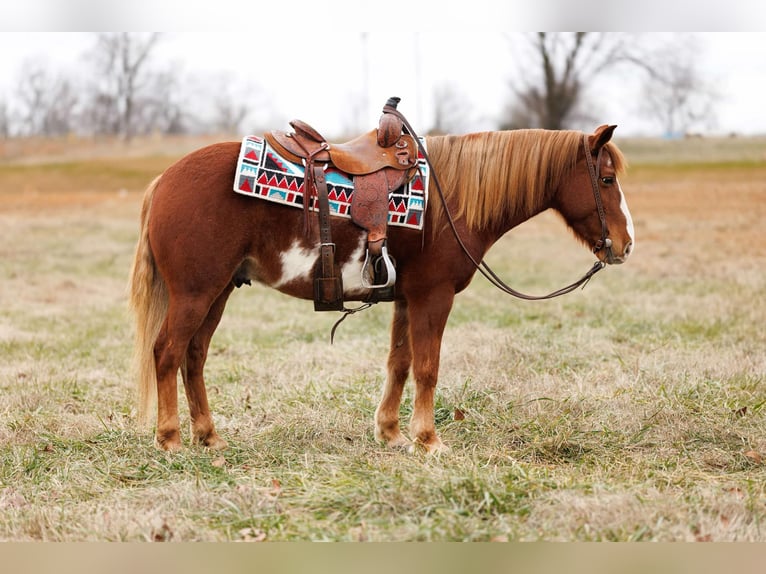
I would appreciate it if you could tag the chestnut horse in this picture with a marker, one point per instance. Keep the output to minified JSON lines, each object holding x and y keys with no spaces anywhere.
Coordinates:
{"x":199,"y":239}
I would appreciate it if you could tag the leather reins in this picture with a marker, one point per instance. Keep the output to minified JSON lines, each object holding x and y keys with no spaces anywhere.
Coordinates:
{"x":485,"y":269}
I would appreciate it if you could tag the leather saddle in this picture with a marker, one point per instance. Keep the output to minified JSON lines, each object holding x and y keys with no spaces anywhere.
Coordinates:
{"x":380,"y":161}
{"x":360,"y":156}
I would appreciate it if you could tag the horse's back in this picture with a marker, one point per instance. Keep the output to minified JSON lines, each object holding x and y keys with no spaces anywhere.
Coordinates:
{"x":208,"y":170}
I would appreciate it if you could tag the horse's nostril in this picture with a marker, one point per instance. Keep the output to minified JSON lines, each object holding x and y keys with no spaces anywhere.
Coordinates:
{"x":628,"y":248}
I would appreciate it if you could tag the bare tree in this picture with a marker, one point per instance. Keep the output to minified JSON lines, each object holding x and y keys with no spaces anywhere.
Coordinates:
{"x":162,"y":107}
{"x":5,"y":119}
{"x":47,"y":102}
{"x":451,"y":110}
{"x":558,"y":67}
{"x":229,"y":114}
{"x":231,"y":105}
{"x":122,"y":91}
{"x":675,"y":92}
{"x":227,"y":103}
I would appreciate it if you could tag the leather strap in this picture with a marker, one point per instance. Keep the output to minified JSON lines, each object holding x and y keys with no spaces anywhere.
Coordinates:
{"x":326,"y":246}
{"x":594,"y":170}
{"x":309,"y":182}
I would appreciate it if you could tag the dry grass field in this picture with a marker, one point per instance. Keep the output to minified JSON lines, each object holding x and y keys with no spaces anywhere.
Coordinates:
{"x":633,"y":410}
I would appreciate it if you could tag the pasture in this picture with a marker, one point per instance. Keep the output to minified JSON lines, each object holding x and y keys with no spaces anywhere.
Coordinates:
{"x":632,"y":410}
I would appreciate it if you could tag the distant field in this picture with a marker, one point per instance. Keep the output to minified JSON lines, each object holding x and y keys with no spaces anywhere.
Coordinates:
{"x":732,"y":151}
{"x":633,"y":410}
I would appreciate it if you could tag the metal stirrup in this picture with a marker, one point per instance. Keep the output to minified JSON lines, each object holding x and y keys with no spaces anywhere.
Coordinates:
{"x":390,"y":270}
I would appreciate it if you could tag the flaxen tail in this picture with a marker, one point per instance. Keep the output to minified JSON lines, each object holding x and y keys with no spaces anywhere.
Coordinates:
{"x":149,"y":302}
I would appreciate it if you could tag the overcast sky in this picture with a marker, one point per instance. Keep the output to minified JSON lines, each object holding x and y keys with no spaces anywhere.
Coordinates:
{"x":404,"y":63}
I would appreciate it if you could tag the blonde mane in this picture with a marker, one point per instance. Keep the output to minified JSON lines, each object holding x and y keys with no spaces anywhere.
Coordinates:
{"x":503,"y":174}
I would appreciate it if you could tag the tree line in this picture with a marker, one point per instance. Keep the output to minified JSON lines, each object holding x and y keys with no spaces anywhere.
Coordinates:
{"x":127,"y":94}
{"x":557,"y":73}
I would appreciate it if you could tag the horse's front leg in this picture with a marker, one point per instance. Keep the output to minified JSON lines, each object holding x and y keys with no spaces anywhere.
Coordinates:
{"x":399,"y":362}
{"x":427,"y":318}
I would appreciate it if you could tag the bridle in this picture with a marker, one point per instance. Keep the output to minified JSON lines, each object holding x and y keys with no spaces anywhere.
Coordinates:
{"x":481,"y":266}
{"x":595,"y":173}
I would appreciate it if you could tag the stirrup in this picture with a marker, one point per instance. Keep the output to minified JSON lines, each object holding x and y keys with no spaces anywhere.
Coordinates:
{"x":390,"y":270}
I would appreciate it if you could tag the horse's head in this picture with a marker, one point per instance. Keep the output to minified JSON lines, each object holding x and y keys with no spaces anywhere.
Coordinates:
{"x":592,"y":202}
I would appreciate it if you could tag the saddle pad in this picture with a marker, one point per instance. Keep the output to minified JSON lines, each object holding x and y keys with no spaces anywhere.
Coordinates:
{"x":263,"y":173}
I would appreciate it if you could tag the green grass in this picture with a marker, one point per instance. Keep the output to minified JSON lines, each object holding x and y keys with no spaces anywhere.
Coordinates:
{"x":630,"y":411}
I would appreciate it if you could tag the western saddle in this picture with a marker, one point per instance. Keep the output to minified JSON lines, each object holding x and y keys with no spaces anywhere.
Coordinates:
{"x":380,"y":162}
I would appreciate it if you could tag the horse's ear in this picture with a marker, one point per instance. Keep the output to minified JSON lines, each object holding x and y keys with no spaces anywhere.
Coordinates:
{"x":599,"y":138}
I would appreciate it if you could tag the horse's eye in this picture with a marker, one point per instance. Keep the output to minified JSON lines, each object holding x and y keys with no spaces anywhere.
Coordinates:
{"x":607,"y":180}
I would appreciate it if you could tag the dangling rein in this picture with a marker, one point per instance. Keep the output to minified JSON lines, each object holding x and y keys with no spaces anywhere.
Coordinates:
{"x":485,"y":269}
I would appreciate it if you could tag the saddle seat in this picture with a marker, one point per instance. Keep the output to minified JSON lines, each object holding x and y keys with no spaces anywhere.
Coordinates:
{"x":360,"y":156}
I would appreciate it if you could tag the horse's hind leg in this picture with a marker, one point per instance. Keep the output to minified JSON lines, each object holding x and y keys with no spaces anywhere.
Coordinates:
{"x":184,"y":318}
{"x":202,"y":428}
{"x":399,"y":362}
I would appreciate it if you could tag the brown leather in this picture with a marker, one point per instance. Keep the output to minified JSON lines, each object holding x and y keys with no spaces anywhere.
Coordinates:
{"x":360,"y":156}
{"x":293,"y":148}
{"x":306,"y":131}
{"x":369,"y":209}
{"x":363,"y":155}
{"x":328,"y":281}
{"x":389,"y":130}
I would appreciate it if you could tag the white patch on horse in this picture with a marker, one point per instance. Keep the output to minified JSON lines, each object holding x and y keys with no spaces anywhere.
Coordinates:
{"x":297,"y":263}
{"x":626,"y":213}
{"x":352,"y":270}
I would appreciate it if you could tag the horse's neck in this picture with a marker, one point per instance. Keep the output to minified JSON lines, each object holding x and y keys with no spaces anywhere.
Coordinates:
{"x":508,"y":221}
{"x":493,"y":207}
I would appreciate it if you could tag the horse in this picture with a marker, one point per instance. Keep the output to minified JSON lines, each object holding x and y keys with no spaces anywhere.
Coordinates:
{"x":198,"y":241}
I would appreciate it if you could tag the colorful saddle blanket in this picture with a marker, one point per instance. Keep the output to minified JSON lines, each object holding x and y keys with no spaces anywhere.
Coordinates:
{"x":263,"y":173}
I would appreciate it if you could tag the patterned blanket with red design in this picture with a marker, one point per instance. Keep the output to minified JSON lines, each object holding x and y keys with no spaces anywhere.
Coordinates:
{"x":263,"y":173}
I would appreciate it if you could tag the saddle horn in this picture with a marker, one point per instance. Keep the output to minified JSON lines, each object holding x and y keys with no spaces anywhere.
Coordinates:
{"x":390,"y":128}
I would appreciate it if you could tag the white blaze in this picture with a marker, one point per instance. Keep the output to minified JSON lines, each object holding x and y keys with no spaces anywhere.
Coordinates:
{"x":626,"y":213}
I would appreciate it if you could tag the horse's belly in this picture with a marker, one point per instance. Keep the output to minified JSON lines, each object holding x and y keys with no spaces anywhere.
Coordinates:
{"x":294,"y":271}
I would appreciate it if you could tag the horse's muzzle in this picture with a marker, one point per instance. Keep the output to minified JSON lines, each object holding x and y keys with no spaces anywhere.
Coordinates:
{"x":612,"y":259}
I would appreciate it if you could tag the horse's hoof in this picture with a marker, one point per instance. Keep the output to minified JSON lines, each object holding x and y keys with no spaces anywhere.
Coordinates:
{"x":398,"y":443}
{"x":212,"y":441}
{"x":433,"y":448}
{"x":391,"y":436}
{"x":215,"y":443}
{"x":172,"y":444}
